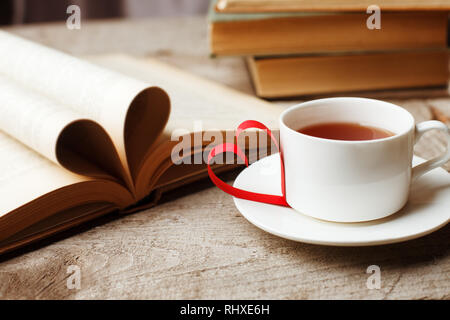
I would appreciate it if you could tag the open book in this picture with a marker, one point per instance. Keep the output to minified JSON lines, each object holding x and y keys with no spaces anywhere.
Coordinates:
{"x":81,"y":139}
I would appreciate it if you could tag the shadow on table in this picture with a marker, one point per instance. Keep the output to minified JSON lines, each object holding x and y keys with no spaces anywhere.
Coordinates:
{"x":409,"y":253}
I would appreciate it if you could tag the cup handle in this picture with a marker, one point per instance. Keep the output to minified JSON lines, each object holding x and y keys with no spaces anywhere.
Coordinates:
{"x":421,"y":128}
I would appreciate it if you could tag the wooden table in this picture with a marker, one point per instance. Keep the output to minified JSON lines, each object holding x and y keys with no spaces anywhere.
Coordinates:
{"x":196,"y":244}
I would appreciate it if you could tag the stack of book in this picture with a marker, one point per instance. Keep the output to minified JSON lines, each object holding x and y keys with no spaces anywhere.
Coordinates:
{"x":307,"y":47}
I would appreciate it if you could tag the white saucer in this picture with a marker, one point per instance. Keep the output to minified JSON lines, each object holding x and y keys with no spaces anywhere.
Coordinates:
{"x":427,"y":210}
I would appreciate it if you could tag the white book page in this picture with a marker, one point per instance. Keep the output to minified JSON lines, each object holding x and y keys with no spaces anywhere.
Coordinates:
{"x":25,"y":175}
{"x":33,"y":119}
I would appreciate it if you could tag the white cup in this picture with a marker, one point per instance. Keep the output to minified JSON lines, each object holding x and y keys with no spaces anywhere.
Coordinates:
{"x":352,"y":181}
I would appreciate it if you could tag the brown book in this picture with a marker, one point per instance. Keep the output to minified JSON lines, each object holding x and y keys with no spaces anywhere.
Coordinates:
{"x":81,"y":139}
{"x":269,"y":34}
{"x":328,"y":5}
{"x":311,"y":75}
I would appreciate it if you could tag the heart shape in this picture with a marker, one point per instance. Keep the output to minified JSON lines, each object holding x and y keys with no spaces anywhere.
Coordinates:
{"x":231,"y":147}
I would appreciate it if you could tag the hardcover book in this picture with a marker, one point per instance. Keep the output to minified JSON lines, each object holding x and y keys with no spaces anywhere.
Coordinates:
{"x":263,"y":34}
{"x":323,"y":74}
{"x":329,"y":5}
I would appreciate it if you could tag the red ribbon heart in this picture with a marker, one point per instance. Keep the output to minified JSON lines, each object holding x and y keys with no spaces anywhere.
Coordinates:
{"x":231,"y":147}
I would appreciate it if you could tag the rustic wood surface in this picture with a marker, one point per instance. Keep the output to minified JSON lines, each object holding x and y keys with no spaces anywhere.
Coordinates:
{"x":196,"y":244}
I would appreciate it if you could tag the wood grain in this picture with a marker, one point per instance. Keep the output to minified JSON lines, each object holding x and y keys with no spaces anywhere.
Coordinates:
{"x":196,"y":244}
